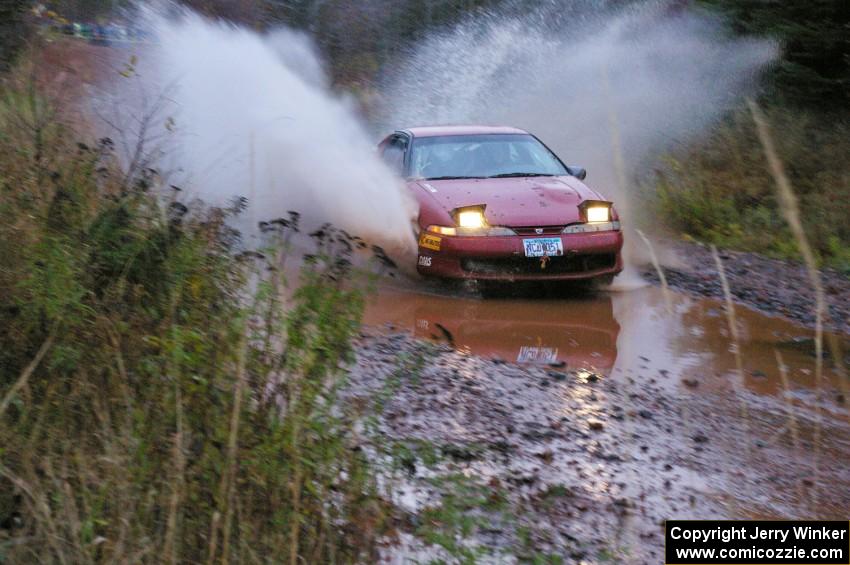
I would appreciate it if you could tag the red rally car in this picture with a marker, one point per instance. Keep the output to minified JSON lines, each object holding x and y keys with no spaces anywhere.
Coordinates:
{"x":496,"y":204}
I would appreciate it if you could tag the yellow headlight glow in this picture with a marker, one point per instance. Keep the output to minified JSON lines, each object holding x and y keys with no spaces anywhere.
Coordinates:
{"x":471,"y":219}
{"x":443,"y":230}
{"x":598,"y":214}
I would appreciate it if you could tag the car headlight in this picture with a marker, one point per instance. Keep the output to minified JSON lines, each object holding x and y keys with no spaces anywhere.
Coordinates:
{"x":595,"y":211}
{"x":598,"y":213}
{"x":471,"y":219}
{"x":470,"y":222}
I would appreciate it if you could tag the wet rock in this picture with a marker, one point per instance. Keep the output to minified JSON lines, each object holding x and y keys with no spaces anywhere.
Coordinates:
{"x":461,"y":452}
{"x":557,"y":375}
{"x":610,"y":457}
{"x":538,"y":434}
{"x":501,"y":446}
{"x":523,"y":479}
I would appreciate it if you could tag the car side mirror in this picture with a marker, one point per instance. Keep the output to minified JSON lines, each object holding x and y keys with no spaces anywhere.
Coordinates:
{"x":577,"y":172}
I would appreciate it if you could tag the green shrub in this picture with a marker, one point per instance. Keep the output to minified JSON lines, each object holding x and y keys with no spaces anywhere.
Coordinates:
{"x":161,"y":397}
{"x":718,"y":189}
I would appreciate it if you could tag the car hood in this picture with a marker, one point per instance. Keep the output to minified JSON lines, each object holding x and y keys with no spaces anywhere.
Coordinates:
{"x":514,"y":202}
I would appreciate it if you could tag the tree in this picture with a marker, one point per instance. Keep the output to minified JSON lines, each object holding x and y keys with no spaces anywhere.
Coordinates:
{"x":814,"y":68}
{"x":12,"y":29}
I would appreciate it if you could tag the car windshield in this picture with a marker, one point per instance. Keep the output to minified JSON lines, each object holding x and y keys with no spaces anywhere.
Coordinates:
{"x":482,"y":156}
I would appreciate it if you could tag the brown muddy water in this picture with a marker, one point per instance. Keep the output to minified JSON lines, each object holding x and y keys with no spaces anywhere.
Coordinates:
{"x":790,"y":461}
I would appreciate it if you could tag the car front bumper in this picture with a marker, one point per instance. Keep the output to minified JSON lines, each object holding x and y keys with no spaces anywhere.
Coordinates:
{"x":586,"y":256}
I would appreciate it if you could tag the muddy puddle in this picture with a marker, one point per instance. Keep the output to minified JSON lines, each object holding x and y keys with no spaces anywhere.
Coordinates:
{"x":635,"y":332}
{"x":771,"y":445}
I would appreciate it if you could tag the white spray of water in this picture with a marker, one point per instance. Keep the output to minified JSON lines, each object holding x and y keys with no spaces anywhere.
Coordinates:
{"x":605,"y":90}
{"x":254,"y":117}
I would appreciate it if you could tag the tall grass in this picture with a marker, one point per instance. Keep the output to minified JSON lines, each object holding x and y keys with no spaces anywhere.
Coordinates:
{"x":790,"y":208}
{"x":160,"y":402}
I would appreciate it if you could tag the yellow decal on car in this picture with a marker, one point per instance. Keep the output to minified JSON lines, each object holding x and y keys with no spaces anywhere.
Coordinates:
{"x":430,"y":241}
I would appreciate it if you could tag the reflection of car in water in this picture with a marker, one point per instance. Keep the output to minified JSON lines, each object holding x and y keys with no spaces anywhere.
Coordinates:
{"x":497,"y":205}
{"x":582,"y":333}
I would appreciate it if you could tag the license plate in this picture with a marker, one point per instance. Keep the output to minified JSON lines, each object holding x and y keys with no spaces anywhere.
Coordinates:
{"x":540,"y":246}
{"x":537,"y":354}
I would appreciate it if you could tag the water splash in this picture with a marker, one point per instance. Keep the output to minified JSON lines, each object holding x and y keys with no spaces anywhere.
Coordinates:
{"x":253,"y":115}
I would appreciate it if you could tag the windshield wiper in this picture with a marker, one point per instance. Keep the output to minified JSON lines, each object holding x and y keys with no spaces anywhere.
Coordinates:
{"x":449,"y":177}
{"x":508,"y":175}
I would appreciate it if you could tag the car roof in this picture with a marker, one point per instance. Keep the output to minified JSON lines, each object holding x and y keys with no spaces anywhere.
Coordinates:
{"x":433,"y":131}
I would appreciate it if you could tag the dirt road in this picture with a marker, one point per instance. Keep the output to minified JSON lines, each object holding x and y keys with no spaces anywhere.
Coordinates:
{"x":583,"y":423}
